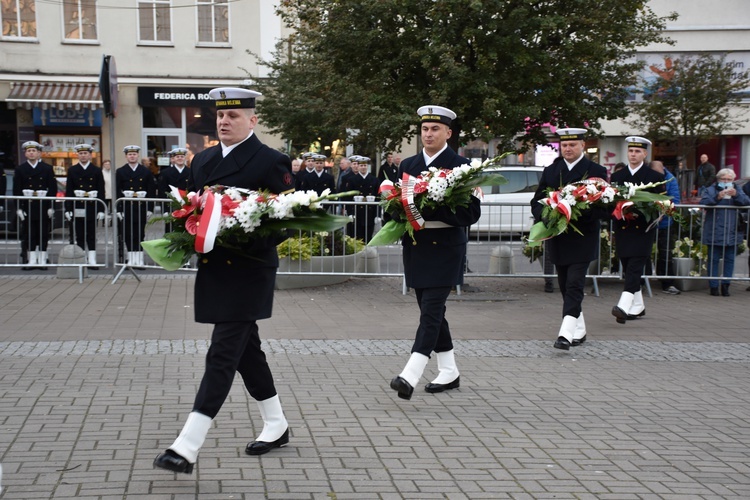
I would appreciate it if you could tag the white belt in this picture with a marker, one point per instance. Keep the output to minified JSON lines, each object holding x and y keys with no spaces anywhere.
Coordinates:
{"x":435,"y":224}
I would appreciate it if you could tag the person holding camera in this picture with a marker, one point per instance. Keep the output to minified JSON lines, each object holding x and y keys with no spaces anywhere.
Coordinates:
{"x":720,"y":229}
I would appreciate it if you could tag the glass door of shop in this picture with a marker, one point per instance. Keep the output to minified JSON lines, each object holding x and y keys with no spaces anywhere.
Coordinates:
{"x":159,"y":143}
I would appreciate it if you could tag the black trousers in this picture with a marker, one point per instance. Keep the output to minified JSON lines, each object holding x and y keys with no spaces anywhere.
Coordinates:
{"x":83,"y":231}
{"x":235,"y":348}
{"x":571,"y":279}
{"x":433,"y":333}
{"x":632,"y":270}
{"x":35,"y":233}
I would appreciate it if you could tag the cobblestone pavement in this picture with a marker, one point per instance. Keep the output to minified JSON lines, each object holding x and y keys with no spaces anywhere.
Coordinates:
{"x":96,"y":379}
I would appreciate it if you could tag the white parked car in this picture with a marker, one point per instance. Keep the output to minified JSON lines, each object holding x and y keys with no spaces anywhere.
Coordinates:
{"x":506,"y":208}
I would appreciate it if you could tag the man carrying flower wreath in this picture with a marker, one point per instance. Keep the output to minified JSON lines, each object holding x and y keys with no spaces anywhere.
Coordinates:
{"x":573,"y":250}
{"x":234,"y":290}
{"x":434,"y":258}
{"x":634,"y":236}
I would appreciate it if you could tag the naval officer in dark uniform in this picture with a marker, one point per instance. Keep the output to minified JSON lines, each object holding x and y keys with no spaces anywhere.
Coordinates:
{"x":85,"y":180}
{"x":367,"y":184}
{"x":234,"y":291}
{"x":177,"y":174}
{"x":133,"y":180}
{"x":434,"y":260}
{"x":319,"y":180}
{"x":571,"y":252}
{"x":633,"y":239}
{"x":34,"y":178}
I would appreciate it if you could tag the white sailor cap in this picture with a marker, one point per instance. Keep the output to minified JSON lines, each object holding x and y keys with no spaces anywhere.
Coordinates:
{"x":131,"y":149}
{"x":438,"y":114}
{"x":233,"y":97}
{"x":354,"y":158}
{"x":571,"y":134}
{"x":83,"y":147}
{"x":178,"y":151}
{"x":307,"y":155}
{"x":319,"y":157}
{"x":637,"y":142}
{"x":31,"y":144}
{"x":364,"y":159}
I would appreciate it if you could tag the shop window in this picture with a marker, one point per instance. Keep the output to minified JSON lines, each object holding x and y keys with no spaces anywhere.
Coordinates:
{"x":155,"y":22}
{"x":168,"y":117}
{"x":79,"y":18}
{"x":200,"y":128}
{"x":19,"y":19}
{"x":213,"y":23}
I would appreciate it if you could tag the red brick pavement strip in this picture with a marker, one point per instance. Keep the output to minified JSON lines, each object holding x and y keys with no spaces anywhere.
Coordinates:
{"x":160,"y":307}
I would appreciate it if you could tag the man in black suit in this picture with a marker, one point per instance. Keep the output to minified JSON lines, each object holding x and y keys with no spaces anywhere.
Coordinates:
{"x":133,"y":180}
{"x":233,"y":291}
{"x":388,"y":170}
{"x":434,"y":260}
{"x":34,"y":178}
{"x":633,"y":240}
{"x":85,"y":180}
{"x":571,"y":252}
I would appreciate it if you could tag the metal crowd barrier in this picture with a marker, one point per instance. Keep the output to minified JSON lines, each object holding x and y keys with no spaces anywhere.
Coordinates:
{"x":36,"y":231}
{"x":500,"y":253}
{"x":496,"y":246}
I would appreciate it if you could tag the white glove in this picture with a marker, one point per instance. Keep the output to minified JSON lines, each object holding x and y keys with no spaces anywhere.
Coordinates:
{"x":21,"y":214}
{"x":50,"y":212}
{"x":149,"y":213}
{"x":68,"y":215}
{"x":119,"y":215}
{"x":100,"y":216}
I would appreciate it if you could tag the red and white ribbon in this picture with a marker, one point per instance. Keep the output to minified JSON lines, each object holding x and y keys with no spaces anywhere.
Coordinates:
{"x":407,"y":200}
{"x":208,"y":226}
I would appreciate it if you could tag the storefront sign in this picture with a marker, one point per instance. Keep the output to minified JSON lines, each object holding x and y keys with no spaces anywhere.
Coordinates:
{"x":54,"y":117}
{"x":173,"y":96}
{"x":65,"y":143}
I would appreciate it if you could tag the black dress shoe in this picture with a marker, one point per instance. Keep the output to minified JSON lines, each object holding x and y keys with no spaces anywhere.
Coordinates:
{"x":578,"y":341}
{"x":725,"y":290}
{"x":403,"y":388}
{"x":619,"y":314}
{"x":562,"y":343}
{"x":636,"y":316}
{"x":433,"y":388}
{"x":715,"y":292}
{"x":261,"y":447}
{"x":170,"y":460}
{"x":549,"y":287}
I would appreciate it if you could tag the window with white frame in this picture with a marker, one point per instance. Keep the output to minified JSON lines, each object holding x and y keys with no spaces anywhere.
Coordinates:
{"x":155,"y":22}
{"x":19,"y":19}
{"x":79,"y":20}
{"x":213,"y":22}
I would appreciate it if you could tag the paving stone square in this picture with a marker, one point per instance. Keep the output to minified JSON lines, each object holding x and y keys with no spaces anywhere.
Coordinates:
{"x":97,"y":378}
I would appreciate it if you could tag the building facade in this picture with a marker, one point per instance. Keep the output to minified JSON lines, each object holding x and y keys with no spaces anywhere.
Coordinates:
{"x":719,"y":28}
{"x":167,"y":55}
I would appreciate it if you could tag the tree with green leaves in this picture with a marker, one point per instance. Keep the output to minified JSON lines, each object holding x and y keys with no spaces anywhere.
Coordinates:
{"x":506,"y":67}
{"x":688,"y":101}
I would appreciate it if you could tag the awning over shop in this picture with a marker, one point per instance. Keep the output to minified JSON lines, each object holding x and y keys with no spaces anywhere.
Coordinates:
{"x":55,"y":95}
